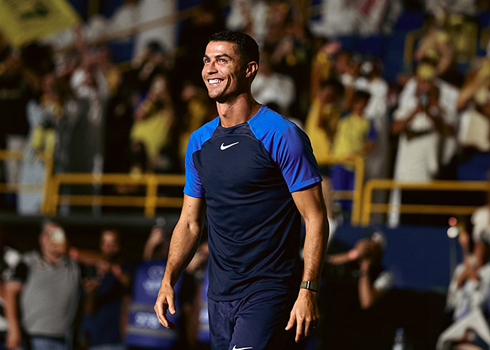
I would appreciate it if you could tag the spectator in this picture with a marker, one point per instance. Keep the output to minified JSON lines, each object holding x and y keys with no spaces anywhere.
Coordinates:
{"x":365,"y":271}
{"x":355,"y":136}
{"x":15,"y":92}
{"x":323,"y":118}
{"x":322,"y":65}
{"x":45,"y":288}
{"x":111,"y":71}
{"x":435,"y":45}
{"x":376,"y":110}
{"x":45,"y":120}
{"x":468,"y":299}
{"x":374,"y":281}
{"x":272,"y":87}
{"x":361,"y":17}
{"x":474,"y":133}
{"x":153,"y":123}
{"x":153,"y":61}
{"x":249,"y":17}
{"x":424,"y":121}
{"x":105,"y":299}
{"x":481,"y":233}
{"x":321,"y":126}
{"x":8,"y":260}
{"x":292,"y":56}
{"x":199,"y":109}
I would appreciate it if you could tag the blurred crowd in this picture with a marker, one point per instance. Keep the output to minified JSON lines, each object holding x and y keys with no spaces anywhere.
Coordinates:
{"x":430,"y":121}
{"x":63,"y":297}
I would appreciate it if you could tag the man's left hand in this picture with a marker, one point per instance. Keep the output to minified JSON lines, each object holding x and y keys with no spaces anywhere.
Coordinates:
{"x":305,"y":315}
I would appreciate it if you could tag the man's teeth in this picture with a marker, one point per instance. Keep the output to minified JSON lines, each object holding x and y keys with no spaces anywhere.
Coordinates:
{"x":214,"y":81}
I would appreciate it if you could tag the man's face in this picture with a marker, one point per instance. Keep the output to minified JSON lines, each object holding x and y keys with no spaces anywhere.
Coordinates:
{"x":223,"y":73}
{"x":109,"y":244}
{"x":423,"y":86}
{"x":53,"y":241}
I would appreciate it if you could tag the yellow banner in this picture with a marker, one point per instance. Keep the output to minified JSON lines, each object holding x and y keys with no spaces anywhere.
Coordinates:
{"x":22,"y":21}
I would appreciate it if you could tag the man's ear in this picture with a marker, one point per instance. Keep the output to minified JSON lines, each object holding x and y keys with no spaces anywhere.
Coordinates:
{"x":252,"y":69}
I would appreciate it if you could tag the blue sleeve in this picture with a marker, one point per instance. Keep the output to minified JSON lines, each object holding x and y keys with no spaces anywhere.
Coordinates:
{"x":372,"y":134}
{"x":193,"y":186}
{"x":291,"y":150}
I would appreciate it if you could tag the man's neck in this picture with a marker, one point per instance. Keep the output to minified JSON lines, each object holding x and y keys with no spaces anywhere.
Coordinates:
{"x":237,"y":111}
{"x":53,"y":259}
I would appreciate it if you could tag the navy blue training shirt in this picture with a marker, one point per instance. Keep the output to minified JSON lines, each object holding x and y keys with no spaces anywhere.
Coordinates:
{"x":246,"y":174}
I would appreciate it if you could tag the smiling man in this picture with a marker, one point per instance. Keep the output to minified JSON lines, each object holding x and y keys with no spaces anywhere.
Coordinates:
{"x":255,"y":173}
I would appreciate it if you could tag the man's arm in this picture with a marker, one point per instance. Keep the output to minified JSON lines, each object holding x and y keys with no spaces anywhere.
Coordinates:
{"x":12,"y":292}
{"x":185,"y":240}
{"x":305,"y":311}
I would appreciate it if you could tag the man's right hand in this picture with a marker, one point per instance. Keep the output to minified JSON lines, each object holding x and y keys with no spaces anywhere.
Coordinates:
{"x":13,"y":339}
{"x":165,"y":301}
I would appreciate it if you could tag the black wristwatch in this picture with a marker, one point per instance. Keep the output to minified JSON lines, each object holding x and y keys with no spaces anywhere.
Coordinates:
{"x":313,"y":286}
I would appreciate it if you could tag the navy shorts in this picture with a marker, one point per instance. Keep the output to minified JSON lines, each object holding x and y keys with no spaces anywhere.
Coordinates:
{"x":256,"y":322}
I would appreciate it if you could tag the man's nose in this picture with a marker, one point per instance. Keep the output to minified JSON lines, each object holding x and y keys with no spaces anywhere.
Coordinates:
{"x":211,"y":67}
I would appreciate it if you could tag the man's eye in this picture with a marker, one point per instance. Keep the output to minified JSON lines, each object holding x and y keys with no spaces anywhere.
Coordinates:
{"x":222,"y":60}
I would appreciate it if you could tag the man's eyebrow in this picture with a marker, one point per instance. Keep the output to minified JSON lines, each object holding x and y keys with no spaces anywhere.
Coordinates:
{"x":219,"y":56}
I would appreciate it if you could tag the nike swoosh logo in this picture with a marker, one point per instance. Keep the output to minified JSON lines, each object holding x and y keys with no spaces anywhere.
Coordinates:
{"x":235,"y":348}
{"x":223,"y":147}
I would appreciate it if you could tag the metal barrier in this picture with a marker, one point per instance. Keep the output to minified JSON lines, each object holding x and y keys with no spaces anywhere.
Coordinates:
{"x":43,"y":188}
{"x":52,"y":197}
{"x":437,"y":185}
{"x":150,"y":201}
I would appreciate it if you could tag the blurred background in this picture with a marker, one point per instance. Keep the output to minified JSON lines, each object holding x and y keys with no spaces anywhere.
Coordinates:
{"x":98,"y":99}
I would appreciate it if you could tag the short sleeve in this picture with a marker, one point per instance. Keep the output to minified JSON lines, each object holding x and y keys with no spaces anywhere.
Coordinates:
{"x":294,"y":156}
{"x":193,"y":186}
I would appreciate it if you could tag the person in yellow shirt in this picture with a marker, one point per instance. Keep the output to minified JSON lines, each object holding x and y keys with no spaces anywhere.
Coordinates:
{"x":355,"y":136}
{"x":322,"y":119}
{"x":153,"y":124}
{"x":320,"y":126}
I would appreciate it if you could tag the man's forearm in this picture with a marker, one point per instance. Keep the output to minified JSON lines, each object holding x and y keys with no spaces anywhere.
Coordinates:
{"x":12,"y":291}
{"x":315,"y":246}
{"x":184,"y":243}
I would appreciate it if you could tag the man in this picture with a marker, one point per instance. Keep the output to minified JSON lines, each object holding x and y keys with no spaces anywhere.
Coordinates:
{"x":256,"y":173}
{"x":46,"y":286}
{"x":106,"y":294}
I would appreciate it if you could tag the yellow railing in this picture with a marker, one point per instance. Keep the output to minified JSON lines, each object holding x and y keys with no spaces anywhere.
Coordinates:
{"x":437,"y":185}
{"x":52,"y":197}
{"x":356,"y":194}
{"x":150,"y":201}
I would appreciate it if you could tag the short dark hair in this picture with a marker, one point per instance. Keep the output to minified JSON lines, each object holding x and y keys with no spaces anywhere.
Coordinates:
{"x":247,"y":47}
{"x":336,"y":85}
{"x":361,"y":95}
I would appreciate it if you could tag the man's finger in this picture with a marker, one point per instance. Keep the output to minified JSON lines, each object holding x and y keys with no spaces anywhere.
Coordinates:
{"x":300,"y":331}
{"x":171,"y":305}
{"x":160,"y":310}
{"x":292,"y":320}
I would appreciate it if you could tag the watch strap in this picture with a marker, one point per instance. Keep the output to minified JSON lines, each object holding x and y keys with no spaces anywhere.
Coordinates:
{"x":313,"y":286}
